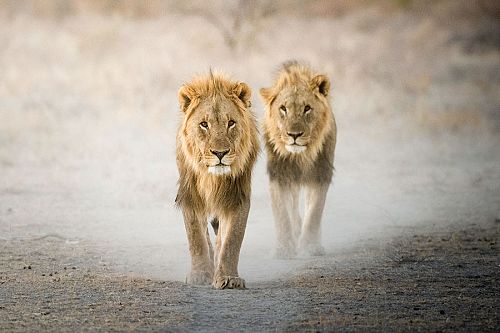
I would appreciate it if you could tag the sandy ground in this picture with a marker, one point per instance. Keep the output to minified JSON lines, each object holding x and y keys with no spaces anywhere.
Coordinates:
{"x":439,"y":281}
{"x":90,"y":239}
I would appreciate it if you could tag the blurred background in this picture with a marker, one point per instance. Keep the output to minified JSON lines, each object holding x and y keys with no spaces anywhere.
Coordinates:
{"x":88,"y":115}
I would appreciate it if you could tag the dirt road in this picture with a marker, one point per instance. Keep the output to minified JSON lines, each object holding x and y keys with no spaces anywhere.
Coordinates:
{"x":439,"y":281}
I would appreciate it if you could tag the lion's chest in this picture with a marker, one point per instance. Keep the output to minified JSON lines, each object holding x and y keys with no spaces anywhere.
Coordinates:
{"x":220,"y":194}
{"x":208,"y":189}
{"x":288,"y":171}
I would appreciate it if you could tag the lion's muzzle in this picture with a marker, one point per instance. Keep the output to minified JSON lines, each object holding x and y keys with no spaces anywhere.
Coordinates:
{"x":221,"y":165}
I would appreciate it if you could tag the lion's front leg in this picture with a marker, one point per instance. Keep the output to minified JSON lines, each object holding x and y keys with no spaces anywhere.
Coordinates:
{"x":295,"y":219}
{"x":281,"y":203}
{"x":228,"y":245}
{"x":310,"y":240}
{"x":202,"y":267}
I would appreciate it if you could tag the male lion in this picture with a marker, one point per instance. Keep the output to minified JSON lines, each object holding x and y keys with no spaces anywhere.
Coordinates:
{"x":217,"y":144}
{"x":300,"y":136}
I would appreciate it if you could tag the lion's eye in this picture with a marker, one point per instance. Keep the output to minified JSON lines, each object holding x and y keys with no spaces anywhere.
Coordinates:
{"x":283,"y":109}
{"x":231,"y":123}
{"x":204,"y":124}
{"x":307,"y":108}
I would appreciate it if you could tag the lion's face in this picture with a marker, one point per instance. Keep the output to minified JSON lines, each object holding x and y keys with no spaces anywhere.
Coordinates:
{"x":215,"y":130}
{"x":218,"y":131}
{"x":296,"y":115}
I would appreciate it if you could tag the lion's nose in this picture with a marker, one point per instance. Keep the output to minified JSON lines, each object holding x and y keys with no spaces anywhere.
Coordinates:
{"x":219,"y":154}
{"x":295,"y":135}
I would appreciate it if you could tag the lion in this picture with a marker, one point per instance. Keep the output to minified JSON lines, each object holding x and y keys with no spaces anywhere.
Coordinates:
{"x":300,"y":136}
{"x":217,"y":145}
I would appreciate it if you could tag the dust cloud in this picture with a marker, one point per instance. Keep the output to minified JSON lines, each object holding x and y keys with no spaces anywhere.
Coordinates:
{"x":88,"y":115}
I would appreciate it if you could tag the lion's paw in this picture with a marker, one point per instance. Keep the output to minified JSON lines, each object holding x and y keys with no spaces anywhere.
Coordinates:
{"x":229,"y":282}
{"x":202,"y":278}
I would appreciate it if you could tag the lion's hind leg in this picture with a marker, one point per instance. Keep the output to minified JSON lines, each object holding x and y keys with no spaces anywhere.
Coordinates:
{"x":215,"y":225}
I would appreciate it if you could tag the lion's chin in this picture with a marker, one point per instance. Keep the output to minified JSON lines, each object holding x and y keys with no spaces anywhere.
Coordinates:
{"x":295,"y":149}
{"x":219,"y":170}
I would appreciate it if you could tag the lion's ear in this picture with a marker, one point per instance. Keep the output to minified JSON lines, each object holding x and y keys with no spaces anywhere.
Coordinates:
{"x":267,"y":95}
{"x":243,"y":92}
{"x":321,"y":83}
{"x":186,"y":95}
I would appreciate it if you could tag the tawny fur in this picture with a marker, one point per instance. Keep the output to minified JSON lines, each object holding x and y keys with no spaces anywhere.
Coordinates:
{"x":298,"y":103}
{"x":223,"y":106}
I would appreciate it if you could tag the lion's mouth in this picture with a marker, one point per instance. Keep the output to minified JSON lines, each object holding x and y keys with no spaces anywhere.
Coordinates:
{"x":295,"y":148}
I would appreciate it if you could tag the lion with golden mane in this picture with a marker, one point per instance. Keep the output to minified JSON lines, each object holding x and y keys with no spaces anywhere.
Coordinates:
{"x":217,"y":144}
{"x":300,"y":136}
